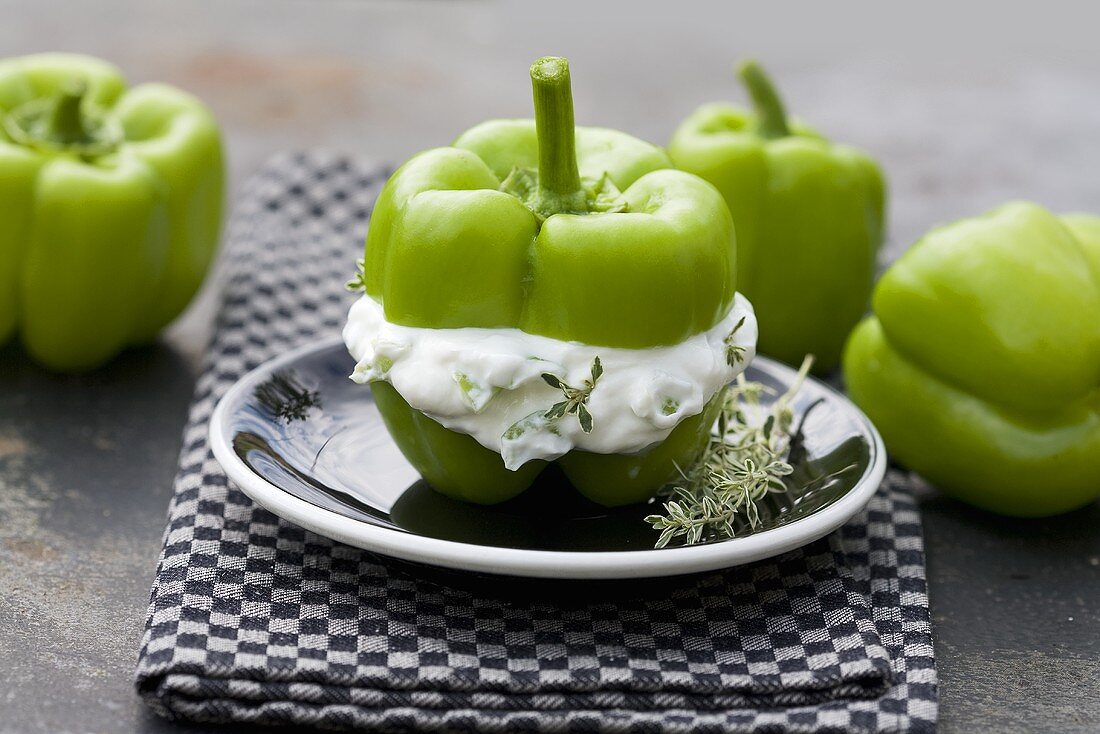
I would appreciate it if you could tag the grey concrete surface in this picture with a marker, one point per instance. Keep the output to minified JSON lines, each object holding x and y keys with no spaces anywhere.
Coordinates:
{"x":965,"y":105}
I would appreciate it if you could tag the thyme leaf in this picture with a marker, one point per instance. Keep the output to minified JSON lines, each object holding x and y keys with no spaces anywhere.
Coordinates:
{"x":358,"y":283}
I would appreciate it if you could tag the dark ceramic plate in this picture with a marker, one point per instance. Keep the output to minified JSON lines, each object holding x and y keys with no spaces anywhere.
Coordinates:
{"x":307,"y":443}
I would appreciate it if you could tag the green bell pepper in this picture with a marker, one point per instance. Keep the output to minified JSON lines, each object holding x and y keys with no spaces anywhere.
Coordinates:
{"x":111,"y":201}
{"x":981,"y":363}
{"x":579,"y":234}
{"x":808,"y":214}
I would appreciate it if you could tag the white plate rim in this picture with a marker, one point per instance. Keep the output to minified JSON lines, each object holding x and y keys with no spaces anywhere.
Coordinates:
{"x":498,"y":560}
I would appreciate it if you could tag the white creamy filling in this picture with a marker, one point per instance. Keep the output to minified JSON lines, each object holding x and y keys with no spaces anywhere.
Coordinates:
{"x":483,"y":382}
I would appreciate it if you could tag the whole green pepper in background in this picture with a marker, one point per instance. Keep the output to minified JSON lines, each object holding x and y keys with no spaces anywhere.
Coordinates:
{"x":111,"y":201}
{"x":521,"y":224}
{"x":981,"y":363}
{"x":808,"y":215}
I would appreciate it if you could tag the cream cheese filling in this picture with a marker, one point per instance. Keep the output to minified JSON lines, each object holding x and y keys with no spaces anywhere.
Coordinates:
{"x":484,"y":382}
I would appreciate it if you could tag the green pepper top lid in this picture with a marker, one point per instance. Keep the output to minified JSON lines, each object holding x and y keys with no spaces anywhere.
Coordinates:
{"x":559,"y":183}
{"x":63,"y":123}
{"x":770,"y":113}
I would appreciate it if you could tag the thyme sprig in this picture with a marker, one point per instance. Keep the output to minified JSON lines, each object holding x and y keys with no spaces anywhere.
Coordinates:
{"x":576,"y":398}
{"x":284,"y":396}
{"x":735,"y":353}
{"x":745,"y":460}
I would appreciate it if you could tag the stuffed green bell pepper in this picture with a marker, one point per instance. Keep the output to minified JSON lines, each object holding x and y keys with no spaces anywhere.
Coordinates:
{"x":539,"y":292}
{"x":111,"y":201}
{"x":981,"y":363}
{"x":808,"y":214}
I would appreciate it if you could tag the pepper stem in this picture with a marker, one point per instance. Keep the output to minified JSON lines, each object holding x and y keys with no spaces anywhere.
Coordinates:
{"x":559,"y":189}
{"x":769,"y":107}
{"x":64,"y":123}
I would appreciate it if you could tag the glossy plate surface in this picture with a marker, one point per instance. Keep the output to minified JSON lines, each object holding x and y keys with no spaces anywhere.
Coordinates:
{"x":307,"y":443}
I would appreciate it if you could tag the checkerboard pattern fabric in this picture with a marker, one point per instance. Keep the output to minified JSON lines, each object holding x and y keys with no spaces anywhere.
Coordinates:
{"x":253,"y":619}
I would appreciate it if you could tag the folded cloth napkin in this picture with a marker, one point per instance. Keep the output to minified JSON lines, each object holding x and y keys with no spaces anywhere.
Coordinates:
{"x":253,"y":619}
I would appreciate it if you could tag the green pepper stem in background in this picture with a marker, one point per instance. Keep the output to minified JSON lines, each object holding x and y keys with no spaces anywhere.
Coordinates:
{"x":64,"y":122}
{"x":60,"y":122}
{"x":765,"y":100}
{"x":560,"y":189}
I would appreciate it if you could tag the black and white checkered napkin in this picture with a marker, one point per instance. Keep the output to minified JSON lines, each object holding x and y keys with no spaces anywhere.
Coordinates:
{"x":255,"y":619}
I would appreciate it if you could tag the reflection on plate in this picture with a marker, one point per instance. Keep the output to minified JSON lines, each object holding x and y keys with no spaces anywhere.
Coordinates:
{"x":307,"y":443}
